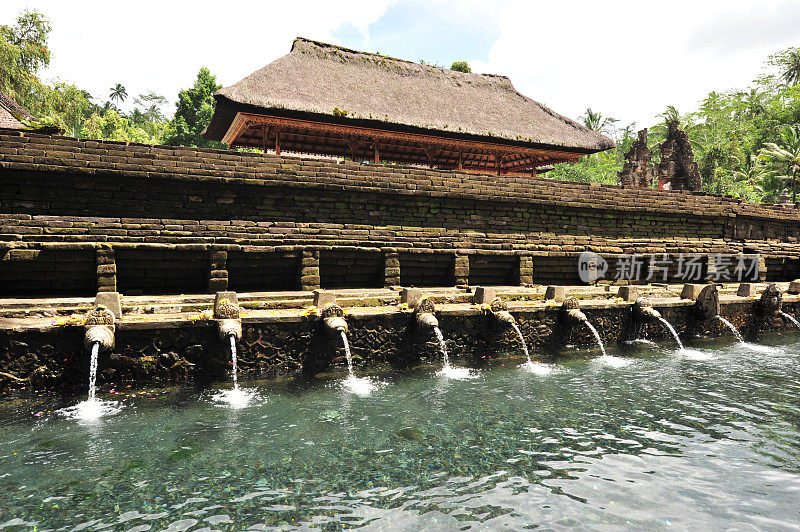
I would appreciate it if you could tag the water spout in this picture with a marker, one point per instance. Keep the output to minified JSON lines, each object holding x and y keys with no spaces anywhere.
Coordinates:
{"x":357,"y":385}
{"x":347,"y":353}
{"x":672,"y":331}
{"x":425,"y":309}
{"x":93,"y":370}
{"x":732,"y":328}
{"x":442,"y":347}
{"x":522,"y":341}
{"x":234,"y":362}
{"x":644,"y":310}
{"x":596,"y":336}
{"x":790,"y":318}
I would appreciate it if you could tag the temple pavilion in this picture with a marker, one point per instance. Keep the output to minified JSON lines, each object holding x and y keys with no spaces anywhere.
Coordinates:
{"x":327,"y":100}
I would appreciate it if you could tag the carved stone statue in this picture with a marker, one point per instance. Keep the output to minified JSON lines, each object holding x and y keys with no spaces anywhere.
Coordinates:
{"x":677,"y":169}
{"x":636,"y":171}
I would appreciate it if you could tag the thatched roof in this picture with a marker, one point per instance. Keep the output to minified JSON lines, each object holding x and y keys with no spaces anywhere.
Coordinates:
{"x":353,"y":87}
{"x":12,"y":114}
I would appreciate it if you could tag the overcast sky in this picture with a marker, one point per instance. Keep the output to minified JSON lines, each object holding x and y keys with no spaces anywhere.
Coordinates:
{"x":626,"y":59}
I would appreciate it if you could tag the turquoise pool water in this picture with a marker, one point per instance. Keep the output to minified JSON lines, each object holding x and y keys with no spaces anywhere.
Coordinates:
{"x":701,"y":440}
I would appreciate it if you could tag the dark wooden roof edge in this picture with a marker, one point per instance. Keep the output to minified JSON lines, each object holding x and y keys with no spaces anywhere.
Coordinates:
{"x":212,"y":132}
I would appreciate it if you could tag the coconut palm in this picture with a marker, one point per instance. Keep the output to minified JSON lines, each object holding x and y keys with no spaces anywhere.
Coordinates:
{"x":594,"y":121}
{"x":790,"y":62}
{"x":784,"y":158}
{"x":118,"y":93}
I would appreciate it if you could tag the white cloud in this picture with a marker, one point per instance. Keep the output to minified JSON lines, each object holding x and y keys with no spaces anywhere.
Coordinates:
{"x":630,"y":59}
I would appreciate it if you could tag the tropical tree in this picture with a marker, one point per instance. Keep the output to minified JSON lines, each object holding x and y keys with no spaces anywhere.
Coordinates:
{"x":118,"y":93}
{"x":784,"y":159}
{"x":193,"y":113}
{"x":23,"y":52}
{"x":461,"y":66}
{"x":593,"y":120}
{"x":789,"y":61}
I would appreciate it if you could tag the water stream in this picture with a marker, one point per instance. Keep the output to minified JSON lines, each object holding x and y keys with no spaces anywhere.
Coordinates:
{"x":616,"y":362}
{"x":522,"y":341}
{"x":733,"y":329}
{"x":447,"y":370}
{"x":347,"y":353}
{"x":672,"y":331}
{"x":356,"y":385}
{"x":93,"y":408}
{"x":442,"y":347}
{"x":93,"y":371}
{"x":234,"y":362}
{"x":791,"y":318}
{"x":236,"y":397}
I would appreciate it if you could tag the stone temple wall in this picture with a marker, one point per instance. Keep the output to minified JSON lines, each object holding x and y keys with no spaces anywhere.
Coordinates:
{"x":78,"y":216}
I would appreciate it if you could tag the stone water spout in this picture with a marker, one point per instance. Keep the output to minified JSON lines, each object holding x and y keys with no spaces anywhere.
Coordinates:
{"x":499,"y":310}
{"x":497,"y":307}
{"x":771,"y":302}
{"x":706,"y":305}
{"x":99,"y":329}
{"x":644,"y":311}
{"x":333,"y":318}
{"x":228,"y":316}
{"x":571,"y":310}
{"x":425,"y":312}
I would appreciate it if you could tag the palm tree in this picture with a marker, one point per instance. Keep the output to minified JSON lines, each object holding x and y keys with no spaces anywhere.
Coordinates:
{"x":594,"y":121}
{"x":790,"y":61}
{"x":784,"y":159}
{"x":118,"y":93}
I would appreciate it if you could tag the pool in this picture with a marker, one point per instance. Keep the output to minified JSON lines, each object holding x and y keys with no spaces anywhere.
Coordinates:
{"x":700,"y":439}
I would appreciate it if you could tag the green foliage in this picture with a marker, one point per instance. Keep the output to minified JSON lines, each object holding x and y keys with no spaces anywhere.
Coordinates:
{"x":743,"y":140}
{"x":782,"y":161}
{"x":193,"y":113}
{"x":110,"y":125}
{"x":461,"y":66}
{"x":23,"y":52}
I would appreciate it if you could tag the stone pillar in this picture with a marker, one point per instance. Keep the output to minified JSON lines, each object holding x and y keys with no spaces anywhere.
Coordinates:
{"x":218,"y":272}
{"x":106,"y":269}
{"x":762,"y":269}
{"x":391,"y":268}
{"x":525,"y":270}
{"x":309,"y":271}
{"x":461,"y":269}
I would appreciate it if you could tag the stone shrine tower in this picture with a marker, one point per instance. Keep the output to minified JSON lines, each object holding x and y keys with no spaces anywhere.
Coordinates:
{"x":677,"y":169}
{"x":637,"y":171}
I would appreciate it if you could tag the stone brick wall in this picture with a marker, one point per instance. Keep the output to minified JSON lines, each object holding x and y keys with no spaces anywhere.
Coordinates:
{"x":249,"y":221}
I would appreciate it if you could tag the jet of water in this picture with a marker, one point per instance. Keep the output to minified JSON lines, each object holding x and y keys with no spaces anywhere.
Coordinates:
{"x":596,"y":336}
{"x":733,"y":329}
{"x":448,"y":371}
{"x":442,"y":347}
{"x":672,"y":330}
{"x":791,"y":318}
{"x":234,"y":362}
{"x":347,"y":353}
{"x":522,"y":340}
{"x":93,"y":370}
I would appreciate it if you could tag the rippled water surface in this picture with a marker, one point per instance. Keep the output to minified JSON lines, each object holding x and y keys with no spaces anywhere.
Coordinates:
{"x":668,"y":440}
